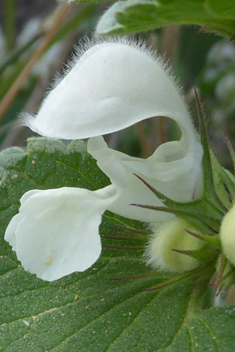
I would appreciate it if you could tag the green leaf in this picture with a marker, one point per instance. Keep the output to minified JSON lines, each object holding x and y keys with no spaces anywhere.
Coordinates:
{"x":133,"y":16}
{"x":87,"y":311}
{"x":212,"y":330}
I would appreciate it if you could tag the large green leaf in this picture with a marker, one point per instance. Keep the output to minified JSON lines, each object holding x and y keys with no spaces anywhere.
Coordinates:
{"x":132,"y":16}
{"x":88,"y":311}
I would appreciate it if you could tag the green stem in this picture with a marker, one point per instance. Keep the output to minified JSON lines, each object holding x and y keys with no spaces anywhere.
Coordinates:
{"x":195,"y":303}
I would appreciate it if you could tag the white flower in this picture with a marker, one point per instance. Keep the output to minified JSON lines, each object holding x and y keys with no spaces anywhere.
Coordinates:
{"x":111,"y":86}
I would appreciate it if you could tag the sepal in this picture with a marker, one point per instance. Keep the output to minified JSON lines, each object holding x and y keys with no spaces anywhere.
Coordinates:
{"x":202,"y":214}
{"x":204,"y":254}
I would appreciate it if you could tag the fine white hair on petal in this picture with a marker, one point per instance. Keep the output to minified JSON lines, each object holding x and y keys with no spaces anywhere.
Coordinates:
{"x":56,"y":231}
{"x":109,"y":85}
{"x":90,"y":44}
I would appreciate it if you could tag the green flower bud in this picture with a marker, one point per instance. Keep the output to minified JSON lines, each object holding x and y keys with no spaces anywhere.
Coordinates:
{"x":227,"y":235}
{"x":172,"y":235}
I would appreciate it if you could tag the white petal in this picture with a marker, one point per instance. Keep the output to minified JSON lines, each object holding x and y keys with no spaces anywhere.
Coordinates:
{"x":11,"y":228}
{"x":10,"y":234}
{"x":172,"y":170}
{"x":29,"y":194}
{"x":112,"y":86}
{"x":56,"y":231}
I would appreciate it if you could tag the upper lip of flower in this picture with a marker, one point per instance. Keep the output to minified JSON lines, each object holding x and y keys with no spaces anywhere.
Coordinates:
{"x":137,"y":87}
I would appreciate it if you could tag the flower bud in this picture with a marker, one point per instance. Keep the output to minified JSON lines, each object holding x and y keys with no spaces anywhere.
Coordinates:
{"x":169,"y":237}
{"x":227,"y":235}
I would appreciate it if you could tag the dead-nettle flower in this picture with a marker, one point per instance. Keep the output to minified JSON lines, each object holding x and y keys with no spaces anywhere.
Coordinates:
{"x":111,"y":86}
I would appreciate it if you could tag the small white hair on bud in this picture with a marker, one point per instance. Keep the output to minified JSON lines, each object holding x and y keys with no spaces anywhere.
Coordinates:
{"x":168,"y":236}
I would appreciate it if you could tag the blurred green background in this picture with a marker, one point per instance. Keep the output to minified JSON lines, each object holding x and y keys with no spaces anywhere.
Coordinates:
{"x":37,"y":37}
